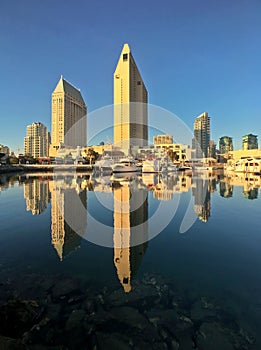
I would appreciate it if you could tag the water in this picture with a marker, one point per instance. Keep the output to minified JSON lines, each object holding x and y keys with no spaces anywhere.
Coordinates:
{"x":100,"y":262}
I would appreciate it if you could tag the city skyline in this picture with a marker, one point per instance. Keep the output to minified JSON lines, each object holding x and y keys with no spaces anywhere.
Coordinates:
{"x":187,"y":68}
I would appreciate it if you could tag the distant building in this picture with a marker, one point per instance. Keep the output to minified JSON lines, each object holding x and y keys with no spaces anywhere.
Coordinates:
{"x":225,"y":144}
{"x":249,"y":142}
{"x":130,"y":104}
{"x":201,"y":135}
{"x":68,"y":117}
{"x":4,"y":149}
{"x":36,"y":142}
{"x":178,"y":151}
{"x":166,"y":139}
{"x":212,"y":150}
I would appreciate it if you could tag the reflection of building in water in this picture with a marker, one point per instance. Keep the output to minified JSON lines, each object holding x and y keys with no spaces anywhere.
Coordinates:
{"x":201,"y":195}
{"x":225,"y":189}
{"x":36,"y":193}
{"x":130,"y":210}
{"x":251,"y":193}
{"x":166,"y":186}
{"x":249,"y":182}
{"x":68,"y":222}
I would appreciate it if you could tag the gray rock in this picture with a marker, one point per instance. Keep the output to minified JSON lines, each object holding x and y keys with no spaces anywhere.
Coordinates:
{"x":113,"y":341}
{"x":212,"y":337}
{"x":64,"y":289}
{"x":10,"y":344}
{"x":200,"y":311}
{"x":145,"y":296}
{"x":75,"y":320}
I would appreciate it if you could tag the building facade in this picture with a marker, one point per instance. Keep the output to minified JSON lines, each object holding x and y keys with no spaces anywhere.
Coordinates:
{"x":130,"y":104}
{"x":4,"y":149}
{"x":165,"y":139}
{"x":212,"y":149}
{"x":249,"y":142}
{"x":225,"y":144}
{"x":69,"y":113}
{"x":36,"y":142}
{"x":201,"y":135}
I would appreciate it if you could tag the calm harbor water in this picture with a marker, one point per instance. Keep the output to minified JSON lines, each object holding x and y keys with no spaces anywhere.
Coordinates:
{"x":77,"y":273}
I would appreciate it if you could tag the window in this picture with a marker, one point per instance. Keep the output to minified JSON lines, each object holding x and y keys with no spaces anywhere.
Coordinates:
{"x":125,"y":57}
{"x":139,"y":82}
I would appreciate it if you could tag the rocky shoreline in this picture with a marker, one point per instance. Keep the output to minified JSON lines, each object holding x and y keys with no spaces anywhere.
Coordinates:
{"x":57,"y":312}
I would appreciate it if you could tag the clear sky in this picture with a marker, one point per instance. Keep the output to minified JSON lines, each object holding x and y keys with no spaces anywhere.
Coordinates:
{"x":194,"y":56}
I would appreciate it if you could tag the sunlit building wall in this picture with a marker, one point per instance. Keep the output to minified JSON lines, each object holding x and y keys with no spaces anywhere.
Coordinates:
{"x":249,"y":142}
{"x":130,"y":104}
{"x":36,"y":142}
{"x":69,"y":114}
{"x":201,"y":135}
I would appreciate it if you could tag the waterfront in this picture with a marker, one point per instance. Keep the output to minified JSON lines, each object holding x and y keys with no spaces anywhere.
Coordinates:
{"x":197,"y":289}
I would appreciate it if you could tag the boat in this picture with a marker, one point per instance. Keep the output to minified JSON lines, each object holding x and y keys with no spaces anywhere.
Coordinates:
{"x":104,"y":164}
{"x":125,"y":165}
{"x":151,"y":166}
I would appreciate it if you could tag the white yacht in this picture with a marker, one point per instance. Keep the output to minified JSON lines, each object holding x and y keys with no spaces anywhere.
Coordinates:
{"x":125,"y":165}
{"x":104,"y":164}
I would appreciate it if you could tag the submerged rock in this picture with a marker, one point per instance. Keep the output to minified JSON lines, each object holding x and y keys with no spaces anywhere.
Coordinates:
{"x":18,"y":316}
{"x":212,"y":337}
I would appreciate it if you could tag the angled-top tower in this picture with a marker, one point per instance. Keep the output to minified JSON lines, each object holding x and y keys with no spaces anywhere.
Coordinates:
{"x":68,"y":117}
{"x":130,"y":104}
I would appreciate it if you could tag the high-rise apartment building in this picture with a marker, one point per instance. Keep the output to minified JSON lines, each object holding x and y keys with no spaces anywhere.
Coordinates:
{"x":201,"y":135}
{"x":249,"y":142}
{"x":225,"y":144}
{"x":212,"y":149}
{"x":4,"y":149}
{"x":130,"y":104}
{"x":36,"y":142}
{"x":69,"y":114}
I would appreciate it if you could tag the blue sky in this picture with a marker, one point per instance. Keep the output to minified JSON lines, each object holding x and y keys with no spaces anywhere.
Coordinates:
{"x":194,"y":56}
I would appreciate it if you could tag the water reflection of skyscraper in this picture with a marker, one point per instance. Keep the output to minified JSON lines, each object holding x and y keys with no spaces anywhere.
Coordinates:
{"x":127,"y":217}
{"x":225,"y":189}
{"x":36,"y":194}
{"x":201,"y":193}
{"x":65,"y":216}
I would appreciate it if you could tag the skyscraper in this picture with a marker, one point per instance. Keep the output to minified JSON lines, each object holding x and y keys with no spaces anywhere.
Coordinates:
{"x":201,"y":135}
{"x":36,"y":142}
{"x":249,"y":142}
{"x":130,"y":104}
{"x":68,"y":117}
{"x":225,"y":144}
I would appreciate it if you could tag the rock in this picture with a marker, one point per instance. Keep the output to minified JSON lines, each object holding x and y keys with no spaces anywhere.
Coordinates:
{"x":18,"y":316}
{"x":10,"y":344}
{"x":75,"y":320}
{"x":114,"y":341}
{"x":212,"y":337}
{"x":64,"y":289}
{"x":200,"y":312}
{"x":144,"y":296}
{"x":129,"y":316}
